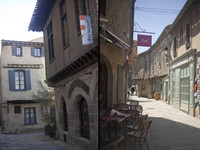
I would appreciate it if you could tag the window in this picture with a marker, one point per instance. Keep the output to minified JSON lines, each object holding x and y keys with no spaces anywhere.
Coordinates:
{"x":145,"y":65}
{"x":29,"y":116}
{"x":103,"y":7}
{"x":37,"y":52}
{"x":81,"y":8}
{"x":187,"y":36}
{"x":17,"y":51}
{"x":188,"y":33}
{"x":64,"y":24}
{"x":17,"y":109}
{"x":174,"y":48}
{"x":84,"y":119}
{"x":19,"y":80}
{"x":181,"y":35}
{"x":159,"y":59}
{"x":50,"y":42}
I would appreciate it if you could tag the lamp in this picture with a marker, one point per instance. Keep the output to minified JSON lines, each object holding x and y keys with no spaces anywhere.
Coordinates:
{"x":166,"y":51}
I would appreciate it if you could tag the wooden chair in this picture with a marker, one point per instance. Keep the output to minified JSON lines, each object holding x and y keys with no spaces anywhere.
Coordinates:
{"x":133,"y":116}
{"x":135,"y":125}
{"x":114,"y":145}
{"x":140,"y":135}
{"x":139,"y":108}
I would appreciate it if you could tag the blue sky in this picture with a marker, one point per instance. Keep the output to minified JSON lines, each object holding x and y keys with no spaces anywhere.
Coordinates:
{"x":15,"y":16}
{"x":154,"y":20}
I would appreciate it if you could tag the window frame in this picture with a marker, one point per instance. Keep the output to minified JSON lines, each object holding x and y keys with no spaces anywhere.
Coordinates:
{"x":29,"y":116}
{"x":37,"y":52}
{"x":50,"y":42}
{"x":17,"y":109}
{"x":18,"y":49}
{"x":64,"y":24}
{"x":19,"y":81}
{"x":81,"y":8}
{"x":103,"y":7}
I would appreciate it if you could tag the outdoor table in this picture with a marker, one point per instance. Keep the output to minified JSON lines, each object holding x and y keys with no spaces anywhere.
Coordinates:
{"x":132,"y":105}
{"x":124,"y":110}
{"x":115,"y":117}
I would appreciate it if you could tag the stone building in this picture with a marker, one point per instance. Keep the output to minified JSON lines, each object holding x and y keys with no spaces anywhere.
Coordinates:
{"x":184,"y":51}
{"x":116,"y":41}
{"x":181,"y":83}
{"x":71,"y":67}
{"x":22,"y":65}
{"x":152,"y":67}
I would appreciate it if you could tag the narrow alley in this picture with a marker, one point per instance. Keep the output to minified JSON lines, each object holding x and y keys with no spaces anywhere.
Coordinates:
{"x":31,"y":141}
{"x":171,"y":129}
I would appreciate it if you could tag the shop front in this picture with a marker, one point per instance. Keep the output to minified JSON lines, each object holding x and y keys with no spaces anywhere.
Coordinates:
{"x":182,"y":72}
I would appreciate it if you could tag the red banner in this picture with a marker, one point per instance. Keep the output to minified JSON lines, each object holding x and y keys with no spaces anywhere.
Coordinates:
{"x":144,"y":40}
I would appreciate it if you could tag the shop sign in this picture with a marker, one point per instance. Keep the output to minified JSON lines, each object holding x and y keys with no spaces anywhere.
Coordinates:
{"x":144,"y":40}
{"x":86,"y":29}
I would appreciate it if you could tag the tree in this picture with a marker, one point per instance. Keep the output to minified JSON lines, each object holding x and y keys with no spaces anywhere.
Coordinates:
{"x":45,"y":96}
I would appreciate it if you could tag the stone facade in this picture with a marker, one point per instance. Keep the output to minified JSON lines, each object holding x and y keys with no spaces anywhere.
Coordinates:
{"x":116,"y":21}
{"x":152,"y":65}
{"x":73,"y":71}
{"x":178,"y":54}
{"x":16,"y":95}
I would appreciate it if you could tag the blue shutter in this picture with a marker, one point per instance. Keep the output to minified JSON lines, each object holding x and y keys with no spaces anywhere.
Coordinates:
{"x":21,"y":51}
{"x":27,"y":79}
{"x":11,"y":79}
{"x":14,"y":51}
{"x":42,"y":52}
{"x":32,"y":51}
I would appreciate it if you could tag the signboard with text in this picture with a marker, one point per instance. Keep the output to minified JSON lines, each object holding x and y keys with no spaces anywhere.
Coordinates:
{"x":144,"y":40}
{"x":86,"y":29}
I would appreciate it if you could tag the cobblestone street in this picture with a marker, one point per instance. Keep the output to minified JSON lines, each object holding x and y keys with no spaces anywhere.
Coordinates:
{"x":31,"y":141}
{"x":171,"y":129}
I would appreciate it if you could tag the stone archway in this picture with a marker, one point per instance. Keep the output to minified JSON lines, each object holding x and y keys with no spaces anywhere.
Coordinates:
{"x":106,"y":66}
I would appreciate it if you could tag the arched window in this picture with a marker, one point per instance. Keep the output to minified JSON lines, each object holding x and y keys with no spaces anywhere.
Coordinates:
{"x":65,"y":116}
{"x":84,"y":119}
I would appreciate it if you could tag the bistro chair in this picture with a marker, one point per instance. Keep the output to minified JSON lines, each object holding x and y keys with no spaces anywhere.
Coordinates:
{"x":133,"y":116}
{"x":140,"y":135}
{"x":136,"y":125}
{"x":113,"y":145}
{"x":139,"y":108}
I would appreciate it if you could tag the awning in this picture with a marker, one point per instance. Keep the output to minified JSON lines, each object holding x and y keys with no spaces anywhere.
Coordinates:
{"x":117,"y":39}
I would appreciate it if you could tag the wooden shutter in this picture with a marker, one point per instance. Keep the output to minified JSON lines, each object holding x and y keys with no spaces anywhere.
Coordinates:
{"x":119,"y":83}
{"x":27,"y":80}
{"x":14,"y":51}
{"x":177,"y":85}
{"x":42,"y":52}
{"x":11,"y":79}
{"x":191,"y":73}
{"x":32,"y":51}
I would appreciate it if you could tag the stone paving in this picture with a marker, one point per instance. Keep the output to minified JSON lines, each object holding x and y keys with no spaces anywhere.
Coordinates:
{"x":31,"y":141}
{"x":171,"y":129}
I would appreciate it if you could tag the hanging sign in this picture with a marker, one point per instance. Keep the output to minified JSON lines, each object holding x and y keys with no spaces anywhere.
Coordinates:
{"x":86,"y":29}
{"x":144,"y":40}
